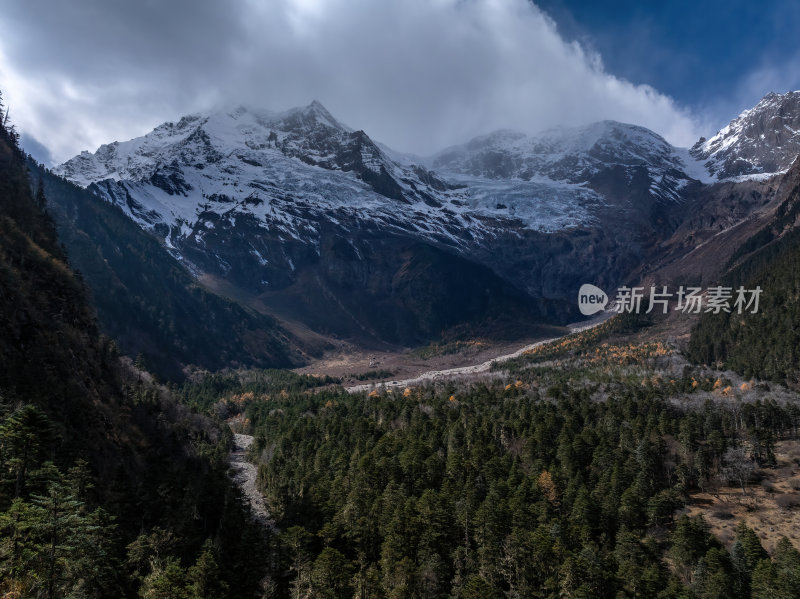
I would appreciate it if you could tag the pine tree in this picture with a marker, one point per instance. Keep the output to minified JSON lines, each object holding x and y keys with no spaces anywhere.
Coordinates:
{"x":19,"y":546}
{"x":65,"y":533}
{"x":53,"y":547}
{"x":204,"y":575}
{"x":168,"y":582}
{"x":787,"y":567}
{"x":764,"y":580}
{"x":24,"y":439}
{"x":753,"y":551}
{"x":330,"y":574}
{"x":39,"y":198}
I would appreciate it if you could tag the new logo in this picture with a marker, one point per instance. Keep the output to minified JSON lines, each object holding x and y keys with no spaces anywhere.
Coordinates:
{"x":591,"y":299}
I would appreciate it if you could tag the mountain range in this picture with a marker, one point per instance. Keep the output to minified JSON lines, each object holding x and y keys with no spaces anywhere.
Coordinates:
{"x":300,"y":219}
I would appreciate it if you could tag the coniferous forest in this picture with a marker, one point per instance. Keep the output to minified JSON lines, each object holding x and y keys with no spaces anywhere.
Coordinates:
{"x":766,"y":345}
{"x":570,"y":479}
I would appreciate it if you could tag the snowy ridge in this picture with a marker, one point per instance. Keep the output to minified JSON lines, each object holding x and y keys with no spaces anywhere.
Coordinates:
{"x":571,"y":155}
{"x":762,"y":141}
{"x":287,"y":169}
{"x":292,"y":174}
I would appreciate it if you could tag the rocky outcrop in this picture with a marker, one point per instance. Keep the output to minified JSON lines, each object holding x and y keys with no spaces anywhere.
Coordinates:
{"x":763,"y":140}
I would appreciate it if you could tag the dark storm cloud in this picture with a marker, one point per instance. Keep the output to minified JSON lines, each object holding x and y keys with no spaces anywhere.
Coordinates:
{"x":415,"y":74}
{"x":80,"y":71}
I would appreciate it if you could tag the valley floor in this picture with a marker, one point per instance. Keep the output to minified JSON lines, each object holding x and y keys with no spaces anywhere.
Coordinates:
{"x":362,"y":370}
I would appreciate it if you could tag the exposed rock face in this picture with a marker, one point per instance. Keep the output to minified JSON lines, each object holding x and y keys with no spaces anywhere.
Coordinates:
{"x":763,"y":140}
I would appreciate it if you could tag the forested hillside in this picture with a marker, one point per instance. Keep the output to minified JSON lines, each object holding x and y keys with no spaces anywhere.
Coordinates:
{"x":108,"y":487}
{"x":145,"y":299}
{"x":765,"y":345}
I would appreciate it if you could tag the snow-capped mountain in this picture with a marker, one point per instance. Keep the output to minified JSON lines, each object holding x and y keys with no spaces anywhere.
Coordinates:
{"x":318,"y":218}
{"x":272,"y":166}
{"x":256,"y":196}
{"x":285,"y":169}
{"x":314,"y":217}
{"x":574,"y":156}
{"x":760,"y":142}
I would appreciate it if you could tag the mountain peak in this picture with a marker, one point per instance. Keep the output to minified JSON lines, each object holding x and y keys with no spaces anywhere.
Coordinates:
{"x":762,"y":141}
{"x":316,"y":109}
{"x":771,"y":97}
{"x":312,"y":115}
{"x":771,"y":104}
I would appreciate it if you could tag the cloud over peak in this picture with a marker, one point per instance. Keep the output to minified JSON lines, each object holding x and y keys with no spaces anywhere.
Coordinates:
{"x":417,"y":75}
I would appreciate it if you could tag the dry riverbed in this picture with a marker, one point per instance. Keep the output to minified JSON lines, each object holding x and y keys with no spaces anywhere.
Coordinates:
{"x":482,"y":368}
{"x":243,"y":474}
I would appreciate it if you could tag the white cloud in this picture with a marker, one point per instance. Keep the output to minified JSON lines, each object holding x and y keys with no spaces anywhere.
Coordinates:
{"x":415,"y":74}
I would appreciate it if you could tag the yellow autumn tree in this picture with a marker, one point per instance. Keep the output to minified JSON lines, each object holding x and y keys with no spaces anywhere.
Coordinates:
{"x":548,"y":488}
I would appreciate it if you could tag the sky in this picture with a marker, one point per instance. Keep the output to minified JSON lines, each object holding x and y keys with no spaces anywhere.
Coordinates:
{"x":417,"y":75}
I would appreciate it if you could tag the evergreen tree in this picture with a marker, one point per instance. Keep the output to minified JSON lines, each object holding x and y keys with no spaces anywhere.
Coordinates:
{"x":752,"y":548}
{"x":24,"y":441}
{"x":39,"y":198}
{"x":205,"y":576}
{"x":331,"y":574}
